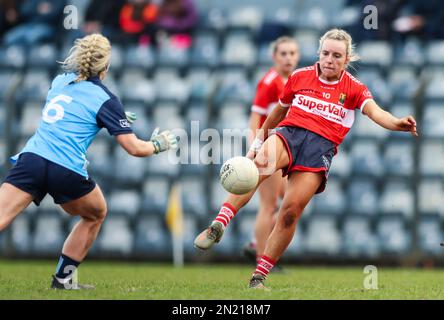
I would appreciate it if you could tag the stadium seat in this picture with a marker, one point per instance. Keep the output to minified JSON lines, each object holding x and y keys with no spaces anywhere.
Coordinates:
{"x":435,"y":88}
{"x":167,"y":115}
{"x":136,"y":87}
{"x":432,"y":126}
{"x":430,"y":163}
{"x":205,"y":50}
{"x":21,"y":235}
{"x":49,"y":235}
{"x":363,"y":197}
{"x":393,"y":237}
{"x":176,"y":91}
{"x":201,"y":85}
{"x":248,"y":16}
{"x":376,"y":53}
{"x":238,"y":50}
{"x":190,"y":229}
{"x":358,"y":239}
{"x":403,"y":81}
{"x":150,"y":237}
{"x":309,"y":44}
{"x":410,"y":53}
{"x":435,"y":52}
{"x":398,"y":158}
{"x":232,"y":115}
{"x":42,"y":56}
{"x":116,"y":238}
{"x":245,"y":226}
{"x":124,"y":202}
{"x":100,"y":161}
{"x":169,"y":54}
{"x":155,"y":195}
{"x":28,"y":124}
{"x":116,"y":60}
{"x":140,"y":57}
{"x":322,"y":236}
{"x":35,"y":86}
{"x":430,"y":234}
{"x":430,"y":197}
{"x":13,"y":57}
{"x":341,"y":164}
{"x":366,"y":158}
{"x":143,"y":124}
{"x":128,"y":170}
{"x":193,"y":195}
{"x":397,"y":198}
{"x":377,"y":84}
{"x":366,"y":128}
{"x":233,"y":87}
{"x":331,"y":201}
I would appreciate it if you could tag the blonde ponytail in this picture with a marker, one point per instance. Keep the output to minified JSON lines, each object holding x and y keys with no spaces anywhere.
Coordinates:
{"x":88,"y":57}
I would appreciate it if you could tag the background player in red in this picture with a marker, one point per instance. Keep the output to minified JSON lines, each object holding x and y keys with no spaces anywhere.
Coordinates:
{"x":323,"y":99}
{"x":285,"y":54}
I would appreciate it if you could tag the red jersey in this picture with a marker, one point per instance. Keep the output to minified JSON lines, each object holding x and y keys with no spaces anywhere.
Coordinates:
{"x":325,"y":108}
{"x":268,"y":91}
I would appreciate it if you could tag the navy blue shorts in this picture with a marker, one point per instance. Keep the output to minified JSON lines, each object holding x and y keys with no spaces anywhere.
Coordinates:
{"x":308,"y":151}
{"x":39,"y":176}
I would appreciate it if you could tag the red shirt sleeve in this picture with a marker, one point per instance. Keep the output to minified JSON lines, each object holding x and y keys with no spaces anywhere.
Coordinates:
{"x":363,"y":95}
{"x":287,"y":94}
{"x":263,"y":98}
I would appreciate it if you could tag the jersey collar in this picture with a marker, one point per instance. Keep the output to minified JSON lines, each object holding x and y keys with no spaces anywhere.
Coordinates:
{"x":317,"y":67}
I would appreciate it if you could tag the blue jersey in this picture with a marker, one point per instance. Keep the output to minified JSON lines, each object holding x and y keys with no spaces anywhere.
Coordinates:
{"x":73,"y":115}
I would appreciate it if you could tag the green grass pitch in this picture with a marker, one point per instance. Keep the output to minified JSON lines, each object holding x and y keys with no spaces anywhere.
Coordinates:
{"x":117,"y":280}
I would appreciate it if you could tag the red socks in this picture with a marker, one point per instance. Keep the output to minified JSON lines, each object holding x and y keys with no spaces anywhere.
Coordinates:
{"x":264,"y":266}
{"x":226,"y":213}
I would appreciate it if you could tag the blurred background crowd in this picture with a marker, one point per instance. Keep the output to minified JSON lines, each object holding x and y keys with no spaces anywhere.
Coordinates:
{"x":177,"y":61}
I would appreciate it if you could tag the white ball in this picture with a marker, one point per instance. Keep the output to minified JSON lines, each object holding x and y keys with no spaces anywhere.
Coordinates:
{"x":239,"y":175}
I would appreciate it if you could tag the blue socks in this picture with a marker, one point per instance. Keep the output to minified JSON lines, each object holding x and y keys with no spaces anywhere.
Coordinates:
{"x":66,"y":266}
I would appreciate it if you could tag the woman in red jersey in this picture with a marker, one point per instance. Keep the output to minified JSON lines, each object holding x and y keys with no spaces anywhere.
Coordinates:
{"x":322,"y":101}
{"x":285,"y":54}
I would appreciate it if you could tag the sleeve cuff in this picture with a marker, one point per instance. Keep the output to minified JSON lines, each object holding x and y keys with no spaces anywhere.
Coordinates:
{"x":258,"y":109}
{"x":285,"y":105}
{"x":363,"y":104}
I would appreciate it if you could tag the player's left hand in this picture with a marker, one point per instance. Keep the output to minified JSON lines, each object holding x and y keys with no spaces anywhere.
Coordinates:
{"x":163,"y":141}
{"x":407,"y":124}
{"x":130,"y":116}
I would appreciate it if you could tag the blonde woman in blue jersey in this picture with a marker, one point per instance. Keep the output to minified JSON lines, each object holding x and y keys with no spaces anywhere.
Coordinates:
{"x":54,"y":160}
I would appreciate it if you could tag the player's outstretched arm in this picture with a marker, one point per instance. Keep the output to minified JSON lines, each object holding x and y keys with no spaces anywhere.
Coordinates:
{"x":159,"y":142}
{"x":277,"y":115}
{"x":387,"y":120}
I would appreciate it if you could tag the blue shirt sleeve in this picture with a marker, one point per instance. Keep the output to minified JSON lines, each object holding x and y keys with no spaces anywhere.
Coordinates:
{"x":112,"y":117}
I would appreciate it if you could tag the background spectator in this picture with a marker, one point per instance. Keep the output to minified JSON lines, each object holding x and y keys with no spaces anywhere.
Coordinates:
{"x":8,"y":14}
{"x":137,"y":18}
{"x":38,"y":22}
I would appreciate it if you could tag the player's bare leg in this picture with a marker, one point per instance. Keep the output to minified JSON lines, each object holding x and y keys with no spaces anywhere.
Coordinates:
{"x":301,"y":188}
{"x":265,"y":219}
{"x":92,"y":210}
{"x":271,"y":157}
{"x":12,"y":201}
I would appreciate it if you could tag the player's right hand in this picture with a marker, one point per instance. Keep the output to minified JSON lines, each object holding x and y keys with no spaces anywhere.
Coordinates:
{"x":163,"y":141}
{"x":254,"y":148}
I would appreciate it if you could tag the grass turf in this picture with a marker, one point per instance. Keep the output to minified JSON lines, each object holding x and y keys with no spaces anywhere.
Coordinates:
{"x":116,"y":280}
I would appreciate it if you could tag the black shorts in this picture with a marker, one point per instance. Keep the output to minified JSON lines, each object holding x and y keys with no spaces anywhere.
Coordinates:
{"x":308,"y":151}
{"x":39,"y":176}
